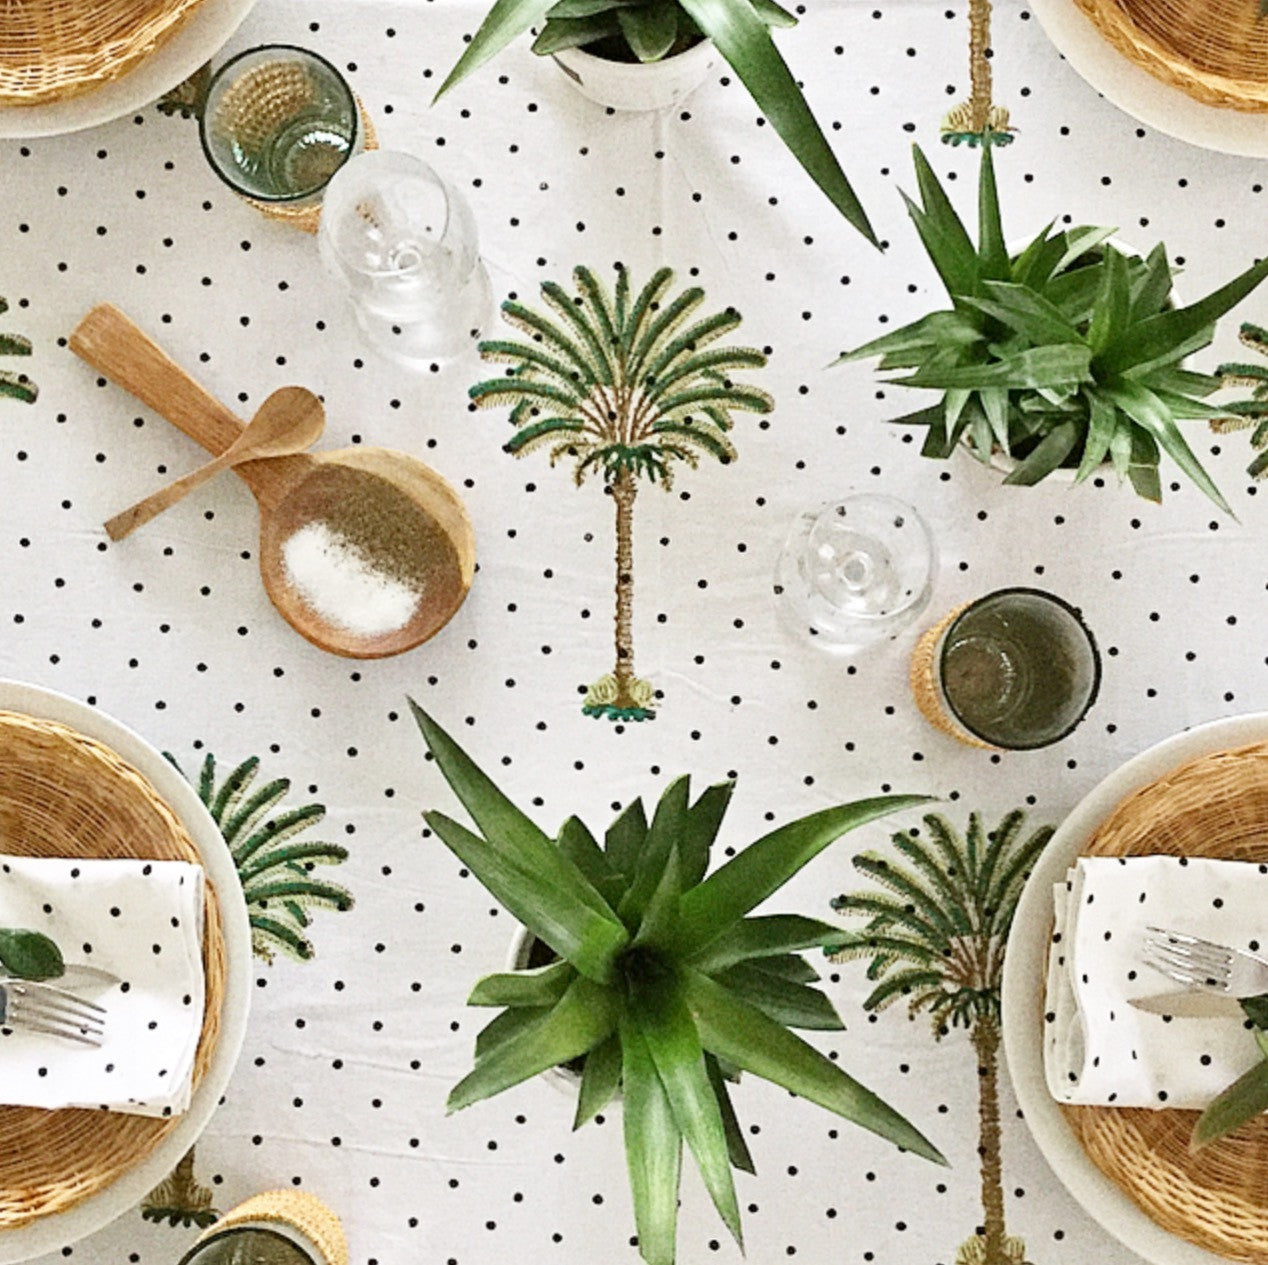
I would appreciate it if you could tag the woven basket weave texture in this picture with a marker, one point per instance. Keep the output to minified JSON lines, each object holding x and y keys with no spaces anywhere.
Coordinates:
{"x":1216,"y":51}
{"x":295,"y":1208}
{"x":1214,"y":806}
{"x":923,"y":677}
{"x":64,"y":794}
{"x":51,"y":50}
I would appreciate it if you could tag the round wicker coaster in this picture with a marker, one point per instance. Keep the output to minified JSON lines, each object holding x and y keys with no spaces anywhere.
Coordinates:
{"x":306,"y":218}
{"x":1216,"y":51}
{"x":923,"y":676}
{"x":1213,"y":806}
{"x":54,"y":49}
{"x":64,"y":794}
{"x":297,"y":1209}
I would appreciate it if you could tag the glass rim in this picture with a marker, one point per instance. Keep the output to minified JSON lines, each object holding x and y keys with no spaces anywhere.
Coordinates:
{"x":235,"y":1231}
{"x":276,"y":199}
{"x":1075,"y":613}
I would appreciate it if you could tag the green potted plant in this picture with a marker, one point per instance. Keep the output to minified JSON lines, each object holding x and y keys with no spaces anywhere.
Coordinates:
{"x":647,"y":54}
{"x":17,"y":386}
{"x":659,"y":981}
{"x":1064,"y":355}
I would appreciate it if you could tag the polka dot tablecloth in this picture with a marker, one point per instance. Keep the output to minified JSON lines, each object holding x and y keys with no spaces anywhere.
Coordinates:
{"x":342,"y":1083}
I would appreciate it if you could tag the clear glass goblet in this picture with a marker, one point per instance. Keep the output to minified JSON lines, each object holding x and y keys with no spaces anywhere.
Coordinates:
{"x":403,"y":243}
{"x":855,"y":572}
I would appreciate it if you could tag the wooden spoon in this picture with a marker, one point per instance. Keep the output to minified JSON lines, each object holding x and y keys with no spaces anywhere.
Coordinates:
{"x":385,"y":505}
{"x":290,"y":420}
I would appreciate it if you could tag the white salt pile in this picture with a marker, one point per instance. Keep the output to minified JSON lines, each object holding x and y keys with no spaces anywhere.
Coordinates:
{"x":344,"y":586}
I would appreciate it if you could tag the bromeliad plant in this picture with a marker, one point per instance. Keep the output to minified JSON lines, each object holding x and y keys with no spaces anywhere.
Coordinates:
{"x":17,"y":386}
{"x":649,"y":30}
{"x":663,"y":983}
{"x":625,"y":386}
{"x":1068,"y":353}
{"x":935,"y":936}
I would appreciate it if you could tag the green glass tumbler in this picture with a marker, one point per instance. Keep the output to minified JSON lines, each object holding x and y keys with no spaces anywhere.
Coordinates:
{"x":1015,"y":670}
{"x":279,"y":1227}
{"x":248,"y":1245}
{"x":278,"y":122}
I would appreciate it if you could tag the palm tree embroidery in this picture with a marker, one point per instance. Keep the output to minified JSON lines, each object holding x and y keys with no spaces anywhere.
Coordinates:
{"x":936,"y":936}
{"x":276,"y":876}
{"x":17,"y":386}
{"x":1253,"y":411}
{"x":978,"y":121}
{"x":625,"y":386}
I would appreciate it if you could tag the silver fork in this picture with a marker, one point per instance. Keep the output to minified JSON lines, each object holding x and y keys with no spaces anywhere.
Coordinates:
{"x":1204,"y":964}
{"x":53,"y":1011}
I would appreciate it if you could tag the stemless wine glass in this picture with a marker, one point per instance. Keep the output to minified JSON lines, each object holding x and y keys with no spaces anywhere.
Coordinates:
{"x":1014,"y":670}
{"x":403,"y":243}
{"x":855,"y":571}
{"x":277,"y":123}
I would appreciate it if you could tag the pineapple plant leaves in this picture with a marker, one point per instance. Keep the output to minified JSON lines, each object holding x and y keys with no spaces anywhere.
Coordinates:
{"x":275,"y":867}
{"x":1068,"y":353}
{"x":16,"y":386}
{"x":626,"y":386}
{"x":663,"y":982}
{"x":649,"y":30}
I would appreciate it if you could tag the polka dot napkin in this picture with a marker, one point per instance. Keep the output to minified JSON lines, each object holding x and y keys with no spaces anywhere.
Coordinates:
{"x":1100,"y":1050}
{"x":141,"y":921}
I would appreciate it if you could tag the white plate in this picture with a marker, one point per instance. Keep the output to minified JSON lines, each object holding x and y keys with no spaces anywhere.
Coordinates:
{"x":1145,"y":98}
{"x":53,"y":1232}
{"x":1025,"y":965}
{"x":195,"y":41}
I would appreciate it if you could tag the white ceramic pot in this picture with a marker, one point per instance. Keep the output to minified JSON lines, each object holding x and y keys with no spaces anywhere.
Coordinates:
{"x":637,"y":86}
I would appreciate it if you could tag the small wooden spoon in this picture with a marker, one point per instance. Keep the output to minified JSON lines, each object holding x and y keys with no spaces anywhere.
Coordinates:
{"x":290,"y":420}
{"x":373,"y":496}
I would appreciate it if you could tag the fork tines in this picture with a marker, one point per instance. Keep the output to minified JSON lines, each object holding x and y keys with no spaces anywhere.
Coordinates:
{"x":53,"y":1011}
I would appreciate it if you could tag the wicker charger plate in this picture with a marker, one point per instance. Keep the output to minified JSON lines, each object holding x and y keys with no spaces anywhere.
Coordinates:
{"x":1215,"y":51}
{"x":51,"y":50}
{"x":61,"y":794}
{"x":1216,"y":805}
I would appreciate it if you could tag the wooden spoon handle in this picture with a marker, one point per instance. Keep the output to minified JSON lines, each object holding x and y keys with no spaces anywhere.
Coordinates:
{"x":116,"y":347}
{"x":125,"y":523}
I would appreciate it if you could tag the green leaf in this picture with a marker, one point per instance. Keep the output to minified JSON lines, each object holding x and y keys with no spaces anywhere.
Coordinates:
{"x":1025,"y":311}
{"x":1256,"y":1009}
{"x":992,"y":253}
{"x":661,"y":915}
{"x":665,"y":1023}
{"x":551,"y":912}
{"x":789,"y":966}
{"x":737,"y":1147}
{"x":600,"y":1079}
{"x":542,"y":986}
{"x":942,"y":231}
{"x":770,"y":935}
{"x":1142,"y":467}
{"x":1156,"y":337}
{"x":582,"y":1018}
{"x":741,"y":1034}
{"x":653,"y":1150}
{"x":650,"y":865}
{"x":774,"y":14}
{"x":704,"y":818}
{"x":1154,"y":287}
{"x":30,"y":955}
{"x":1102,"y":420}
{"x":1242,"y":1101}
{"x":506,"y":21}
{"x":625,"y":836}
{"x":585,"y":8}
{"x":501,"y":1028}
{"x":707,"y":911}
{"x":1058,"y":365}
{"x":932,"y":331}
{"x":650,"y":29}
{"x":1147,"y":411}
{"x":793,"y":1005}
{"x":578,"y":845}
{"x":741,"y":36}
{"x":1113,"y":303}
{"x":1047,"y":455}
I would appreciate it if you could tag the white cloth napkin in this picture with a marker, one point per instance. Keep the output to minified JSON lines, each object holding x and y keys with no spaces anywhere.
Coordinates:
{"x":141,"y":921}
{"x":1100,"y":1050}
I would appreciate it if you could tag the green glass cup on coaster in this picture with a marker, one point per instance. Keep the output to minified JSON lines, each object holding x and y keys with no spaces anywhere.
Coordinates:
{"x":282,"y":1227}
{"x":1015,"y":670}
{"x":278,"y":122}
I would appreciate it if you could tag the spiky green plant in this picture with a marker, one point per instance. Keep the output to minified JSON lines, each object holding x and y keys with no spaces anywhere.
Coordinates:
{"x":17,"y":386}
{"x":1242,"y":414}
{"x":649,"y":30}
{"x":274,"y":866}
{"x":625,"y":386}
{"x":1069,"y":353}
{"x":661,"y":981}
{"x":936,"y":935}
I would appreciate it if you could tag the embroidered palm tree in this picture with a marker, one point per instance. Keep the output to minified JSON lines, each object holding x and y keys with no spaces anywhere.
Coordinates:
{"x":935,"y":935}
{"x":17,"y":386}
{"x":978,"y":121}
{"x":626,"y":387}
{"x":276,"y":875}
{"x":1253,"y":411}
